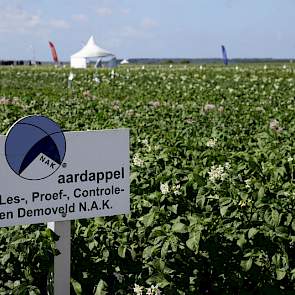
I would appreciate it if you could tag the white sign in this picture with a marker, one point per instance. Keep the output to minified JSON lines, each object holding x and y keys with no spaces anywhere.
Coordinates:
{"x":62,"y":176}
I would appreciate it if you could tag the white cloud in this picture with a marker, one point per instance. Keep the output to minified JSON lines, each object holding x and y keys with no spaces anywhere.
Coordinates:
{"x":80,"y":17}
{"x":130,"y":32}
{"x":17,"y":20}
{"x":148,"y":23}
{"x":104,"y":11}
{"x":142,"y":31}
{"x":59,"y":24}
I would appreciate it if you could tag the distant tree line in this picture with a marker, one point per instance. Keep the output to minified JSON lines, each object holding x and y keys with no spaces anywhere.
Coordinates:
{"x":18,"y":62}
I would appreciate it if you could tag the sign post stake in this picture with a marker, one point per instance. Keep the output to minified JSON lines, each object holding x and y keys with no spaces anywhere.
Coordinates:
{"x":62,"y":262}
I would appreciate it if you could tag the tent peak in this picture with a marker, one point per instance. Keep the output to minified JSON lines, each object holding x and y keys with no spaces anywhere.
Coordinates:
{"x":91,"y":41}
{"x":92,"y":50}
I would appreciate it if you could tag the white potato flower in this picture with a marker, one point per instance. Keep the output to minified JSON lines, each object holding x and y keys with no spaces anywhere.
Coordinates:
{"x":138,"y":289}
{"x":176,"y":189}
{"x":211,"y":142}
{"x":217,"y":173}
{"x":275,"y":125}
{"x":164,"y":187}
{"x":209,"y":107}
{"x":137,"y":161}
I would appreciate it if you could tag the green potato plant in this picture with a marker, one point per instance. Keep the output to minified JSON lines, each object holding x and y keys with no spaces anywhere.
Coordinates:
{"x":212,"y":179}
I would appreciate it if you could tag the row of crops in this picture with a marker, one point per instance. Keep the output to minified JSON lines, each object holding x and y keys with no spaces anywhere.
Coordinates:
{"x":212,"y":180}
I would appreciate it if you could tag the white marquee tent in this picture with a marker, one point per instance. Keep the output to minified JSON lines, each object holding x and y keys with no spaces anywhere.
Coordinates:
{"x":90,"y":50}
{"x":124,"y":62}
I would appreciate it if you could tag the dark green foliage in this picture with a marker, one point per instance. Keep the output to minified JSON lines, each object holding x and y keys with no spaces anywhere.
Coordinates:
{"x":26,"y":258}
{"x":229,"y":235}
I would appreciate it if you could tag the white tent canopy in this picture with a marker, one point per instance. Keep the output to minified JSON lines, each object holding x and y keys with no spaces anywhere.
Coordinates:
{"x":124,"y":62}
{"x":90,"y":50}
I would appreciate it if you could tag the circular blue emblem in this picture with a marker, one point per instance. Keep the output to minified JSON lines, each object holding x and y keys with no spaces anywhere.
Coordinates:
{"x":35,"y":147}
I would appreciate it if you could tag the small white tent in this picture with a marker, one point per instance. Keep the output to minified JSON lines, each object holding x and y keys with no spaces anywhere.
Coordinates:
{"x":124,"y":62}
{"x":90,"y":50}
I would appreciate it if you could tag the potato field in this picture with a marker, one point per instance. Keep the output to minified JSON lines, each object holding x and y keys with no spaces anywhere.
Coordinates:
{"x":212,"y":157}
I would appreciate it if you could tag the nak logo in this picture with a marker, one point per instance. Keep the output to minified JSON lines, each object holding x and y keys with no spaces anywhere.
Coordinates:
{"x":35,"y":147}
{"x":47,"y":161}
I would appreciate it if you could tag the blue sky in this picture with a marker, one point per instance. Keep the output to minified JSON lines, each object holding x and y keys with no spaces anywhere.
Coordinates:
{"x":148,"y":28}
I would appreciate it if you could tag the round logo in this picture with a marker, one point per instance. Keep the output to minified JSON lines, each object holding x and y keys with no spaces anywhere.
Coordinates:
{"x":35,"y":147}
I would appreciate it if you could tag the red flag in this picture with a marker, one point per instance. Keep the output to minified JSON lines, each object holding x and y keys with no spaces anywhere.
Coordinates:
{"x":53,"y":52}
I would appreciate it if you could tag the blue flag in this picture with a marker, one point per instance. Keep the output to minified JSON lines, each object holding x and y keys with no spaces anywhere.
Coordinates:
{"x":224,"y":55}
